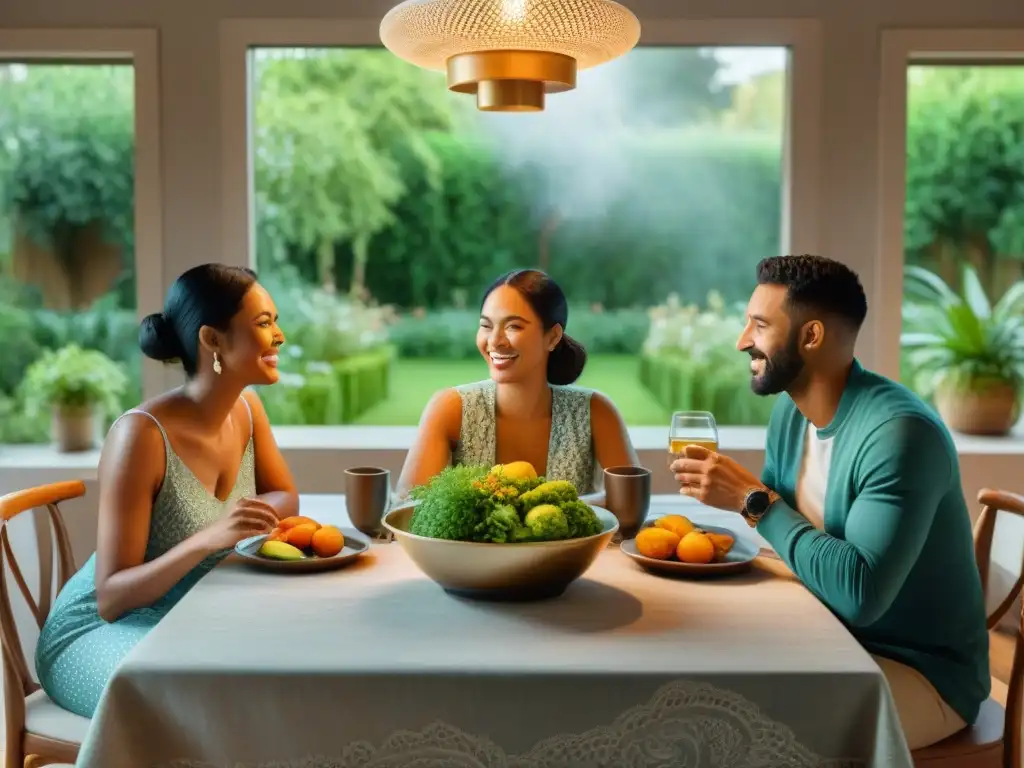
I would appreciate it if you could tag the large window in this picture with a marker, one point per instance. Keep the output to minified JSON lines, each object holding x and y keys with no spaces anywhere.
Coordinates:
{"x":384,"y":204}
{"x":67,"y":261}
{"x":964,"y":242}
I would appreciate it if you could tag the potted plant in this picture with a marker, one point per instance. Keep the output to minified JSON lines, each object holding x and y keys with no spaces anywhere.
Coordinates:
{"x":967,"y":355}
{"x":80,"y":388}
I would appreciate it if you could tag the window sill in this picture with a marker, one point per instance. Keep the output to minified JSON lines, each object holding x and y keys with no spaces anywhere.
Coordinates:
{"x":401,"y":438}
{"x":646,"y":440}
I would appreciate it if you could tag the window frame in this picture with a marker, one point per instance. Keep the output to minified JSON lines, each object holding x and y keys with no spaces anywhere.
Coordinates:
{"x":801,"y":157}
{"x":900,"y":49}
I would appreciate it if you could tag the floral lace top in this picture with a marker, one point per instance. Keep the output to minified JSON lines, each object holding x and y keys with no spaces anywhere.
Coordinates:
{"x":570,"y":448}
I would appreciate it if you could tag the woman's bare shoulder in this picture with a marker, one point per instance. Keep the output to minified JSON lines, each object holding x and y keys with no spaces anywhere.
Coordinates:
{"x":447,"y":399}
{"x":134,"y":446}
{"x":138,"y":434}
{"x":166,"y":404}
{"x":443,"y":414}
{"x":604,"y":413}
{"x":444,"y":406}
{"x":602,"y":405}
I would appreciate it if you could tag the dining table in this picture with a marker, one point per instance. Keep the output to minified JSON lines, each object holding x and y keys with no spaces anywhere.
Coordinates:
{"x":375,"y":666}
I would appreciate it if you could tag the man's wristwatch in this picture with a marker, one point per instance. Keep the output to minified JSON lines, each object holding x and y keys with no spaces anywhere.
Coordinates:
{"x":756,"y":503}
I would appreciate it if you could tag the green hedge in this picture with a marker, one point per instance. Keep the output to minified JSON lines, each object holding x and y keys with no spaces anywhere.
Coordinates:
{"x":330,"y":393}
{"x":17,"y":426}
{"x":20,"y":346}
{"x":681,"y":384}
{"x":451,"y":334}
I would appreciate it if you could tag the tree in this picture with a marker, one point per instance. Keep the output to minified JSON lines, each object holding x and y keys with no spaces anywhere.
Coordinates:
{"x":759,"y":104}
{"x":328,"y":130}
{"x":965,"y":171}
{"x":67,"y":157}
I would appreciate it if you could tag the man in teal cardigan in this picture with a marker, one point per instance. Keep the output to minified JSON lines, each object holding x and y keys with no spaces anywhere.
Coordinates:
{"x":860,"y":495}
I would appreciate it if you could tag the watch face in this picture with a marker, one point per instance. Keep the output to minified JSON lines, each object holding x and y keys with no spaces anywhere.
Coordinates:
{"x":757,"y":502}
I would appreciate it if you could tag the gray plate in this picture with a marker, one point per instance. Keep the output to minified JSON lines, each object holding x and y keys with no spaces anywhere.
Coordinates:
{"x":739,"y":559}
{"x":355,"y":545}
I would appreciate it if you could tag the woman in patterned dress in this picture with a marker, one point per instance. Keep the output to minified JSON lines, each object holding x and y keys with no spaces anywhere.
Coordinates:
{"x":182,"y":479}
{"x":527,"y":410}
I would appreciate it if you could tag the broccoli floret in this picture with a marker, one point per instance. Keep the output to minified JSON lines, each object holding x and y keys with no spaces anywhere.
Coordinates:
{"x":525,"y":484}
{"x":555,"y":492}
{"x":547,"y":523}
{"x":520,"y":535}
{"x":501,"y":525}
{"x":581,"y":519}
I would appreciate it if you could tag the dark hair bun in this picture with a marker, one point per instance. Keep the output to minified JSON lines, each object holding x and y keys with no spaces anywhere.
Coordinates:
{"x":158,"y":339}
{"x":566,"y":361}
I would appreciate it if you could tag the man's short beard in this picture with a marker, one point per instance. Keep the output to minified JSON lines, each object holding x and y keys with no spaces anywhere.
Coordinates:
{"x":780,"y":369}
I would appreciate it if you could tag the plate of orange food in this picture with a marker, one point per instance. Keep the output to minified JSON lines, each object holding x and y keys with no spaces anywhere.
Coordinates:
{"x":300,"y":544}
{"x":674,"y":544}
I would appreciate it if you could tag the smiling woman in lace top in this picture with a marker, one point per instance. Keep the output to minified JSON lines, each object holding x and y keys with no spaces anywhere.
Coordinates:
{"x":182,"y":479}
{"x":527,"y":410}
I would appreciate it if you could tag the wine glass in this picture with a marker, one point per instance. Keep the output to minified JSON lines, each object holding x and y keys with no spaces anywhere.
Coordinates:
{"x":691,"y":428}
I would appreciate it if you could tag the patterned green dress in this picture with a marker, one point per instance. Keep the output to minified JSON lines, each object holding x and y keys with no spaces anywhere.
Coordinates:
{"x":78,"y":651}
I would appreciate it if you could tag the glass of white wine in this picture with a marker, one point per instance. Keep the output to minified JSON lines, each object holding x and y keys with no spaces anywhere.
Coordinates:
{"x":691,"y":428}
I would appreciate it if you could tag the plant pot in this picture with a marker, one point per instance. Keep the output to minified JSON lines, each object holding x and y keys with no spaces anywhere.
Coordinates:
{"x":989,"y":409}
{"x":74,"y":429}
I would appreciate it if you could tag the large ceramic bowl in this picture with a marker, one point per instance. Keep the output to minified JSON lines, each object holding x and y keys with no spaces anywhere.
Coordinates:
{"x":527,"y":571}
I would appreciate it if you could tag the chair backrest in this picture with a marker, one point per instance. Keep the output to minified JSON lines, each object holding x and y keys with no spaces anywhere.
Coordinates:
{"x":17,"y":674}
{"x":993,"y":502}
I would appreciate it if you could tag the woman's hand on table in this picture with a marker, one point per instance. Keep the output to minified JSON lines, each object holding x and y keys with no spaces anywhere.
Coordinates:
{"x":714,"y":479}
{"x":250,"y":517}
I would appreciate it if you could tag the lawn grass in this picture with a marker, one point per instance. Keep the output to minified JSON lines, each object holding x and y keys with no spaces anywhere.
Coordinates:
{"x":413,"y":381}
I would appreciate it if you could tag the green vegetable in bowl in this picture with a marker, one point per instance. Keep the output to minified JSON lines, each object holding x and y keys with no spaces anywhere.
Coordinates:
{"x":502,"y":524}
{"x":581,"y":519}
{"x":476,"y":504}
{"x":552,"y":492}
{"x":547,"y":523}
{"x":448,"y":505}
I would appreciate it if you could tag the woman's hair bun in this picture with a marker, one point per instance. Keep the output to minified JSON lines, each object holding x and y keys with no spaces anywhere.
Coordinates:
{"x":158,"y":339}
{"x":566,"y":361}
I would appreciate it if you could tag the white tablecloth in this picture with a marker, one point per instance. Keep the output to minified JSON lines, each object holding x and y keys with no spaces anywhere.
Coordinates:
{"x":374,"y":665}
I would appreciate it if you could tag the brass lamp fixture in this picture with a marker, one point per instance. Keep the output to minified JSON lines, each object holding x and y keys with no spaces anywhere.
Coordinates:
{"x":509,"y":52}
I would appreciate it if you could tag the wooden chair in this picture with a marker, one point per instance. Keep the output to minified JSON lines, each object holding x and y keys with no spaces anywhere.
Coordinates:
{"x":38,"y":731}
{"x":994,"y":741}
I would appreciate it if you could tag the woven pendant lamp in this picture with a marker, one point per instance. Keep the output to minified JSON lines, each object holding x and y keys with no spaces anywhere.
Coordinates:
{"x":509,"y":52}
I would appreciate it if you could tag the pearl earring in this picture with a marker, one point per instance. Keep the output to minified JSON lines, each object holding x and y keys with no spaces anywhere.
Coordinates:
{"x":217,"y":367}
